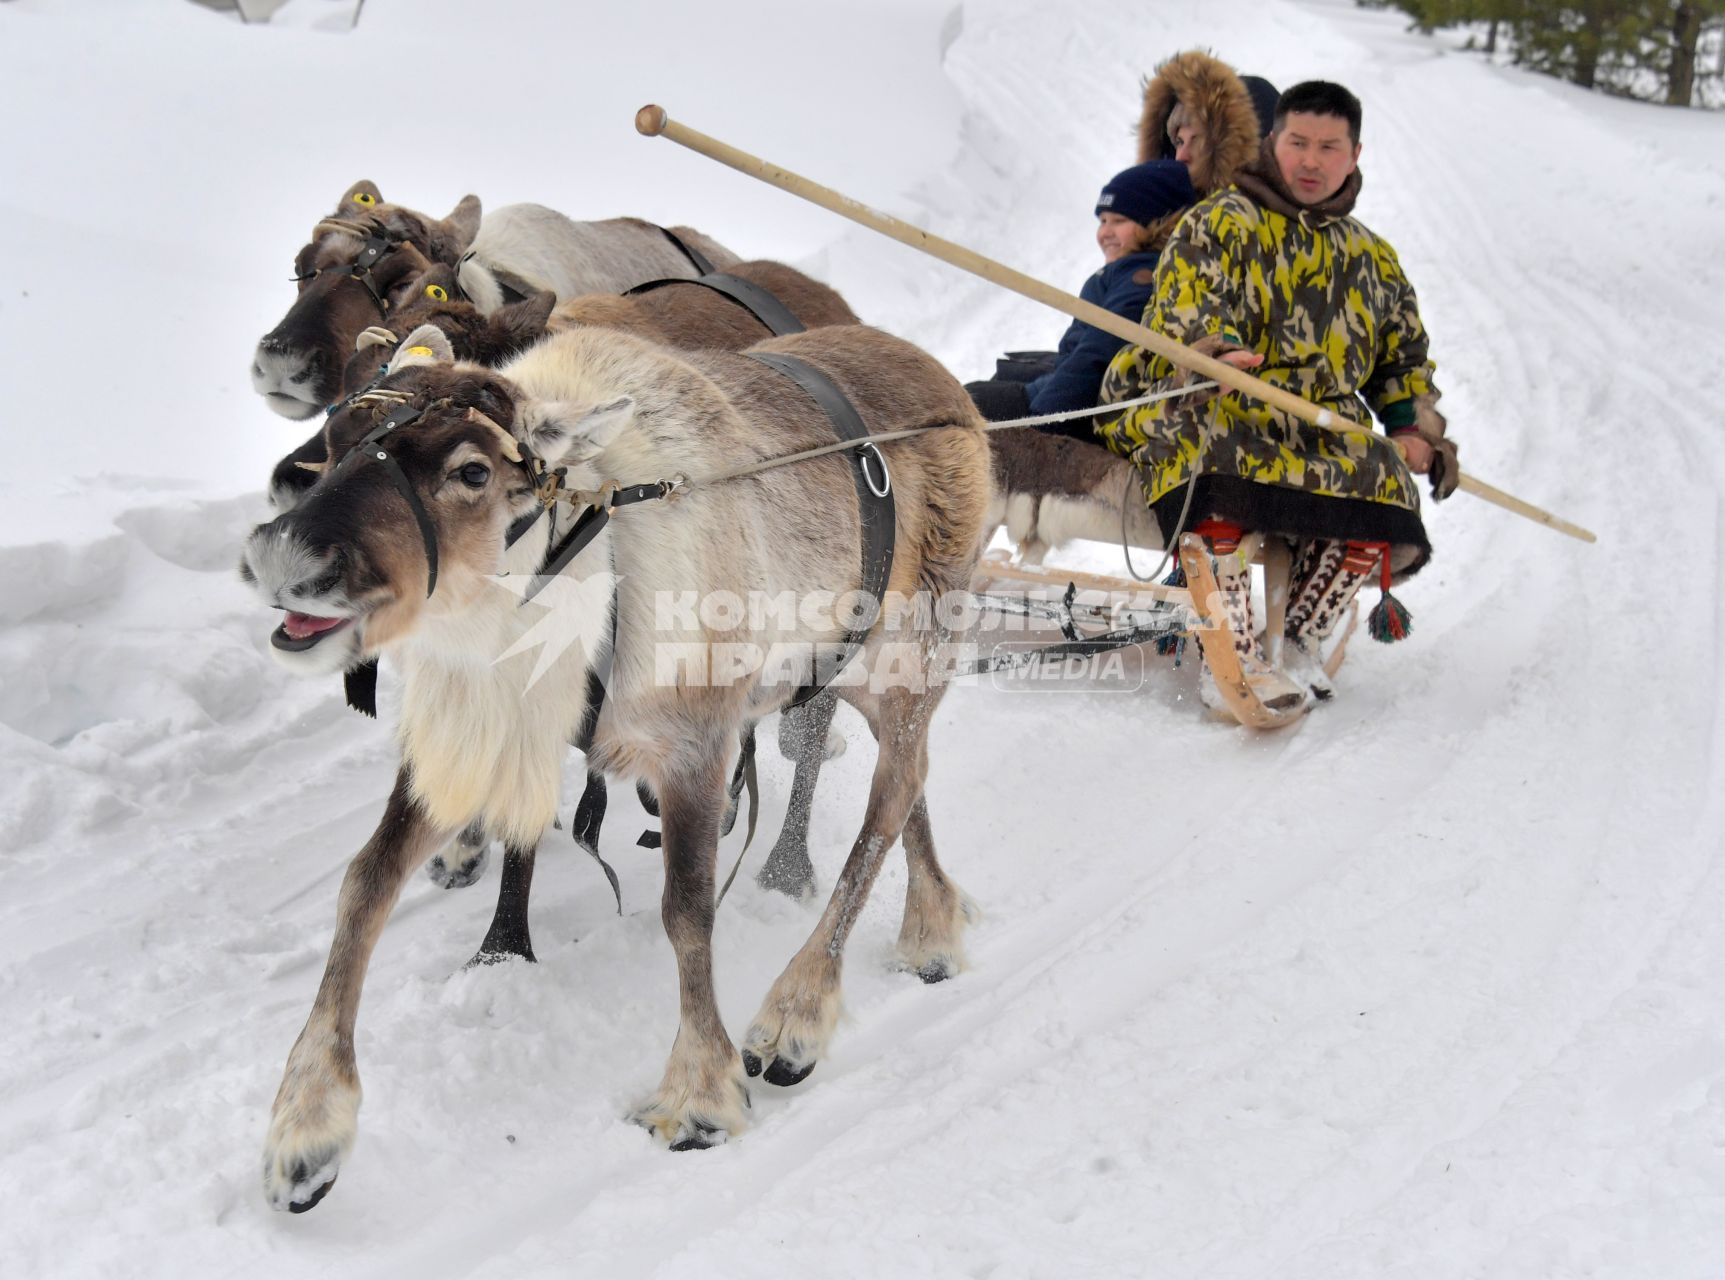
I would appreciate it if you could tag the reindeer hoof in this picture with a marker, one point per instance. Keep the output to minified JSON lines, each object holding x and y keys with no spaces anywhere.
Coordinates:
{"x":701,"y":1138}
{"x":751,"y":1064}
{"x":688,"y":1124}
{"x":935,"y":971}
{"x":784,"y":1075}
{"x":300,"y":1182}
{"x":456,"y":875}
{"x":319,"y":1194}
{"x":497,"y":955}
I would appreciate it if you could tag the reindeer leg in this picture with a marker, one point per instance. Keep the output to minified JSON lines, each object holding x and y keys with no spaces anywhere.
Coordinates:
{"x":803,"y":737}
{"x":703,"y":1097}
{"x":461,"y":862}
{"x":931,"y":940}
{"x":509,"y":936}
{"x":796,"y":1020}
{"x":315,"y":1116}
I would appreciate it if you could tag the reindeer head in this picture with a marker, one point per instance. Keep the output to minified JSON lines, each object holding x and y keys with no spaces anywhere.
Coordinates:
{"x":358,"y":265}
{"x":436,"y":299}
{"x":410,"y":515}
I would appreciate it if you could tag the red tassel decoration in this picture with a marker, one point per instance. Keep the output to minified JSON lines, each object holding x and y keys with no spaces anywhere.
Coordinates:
{"x":1389,"y":619}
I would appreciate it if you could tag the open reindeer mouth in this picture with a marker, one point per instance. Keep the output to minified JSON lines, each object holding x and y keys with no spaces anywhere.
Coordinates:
{"x":301,"y":631}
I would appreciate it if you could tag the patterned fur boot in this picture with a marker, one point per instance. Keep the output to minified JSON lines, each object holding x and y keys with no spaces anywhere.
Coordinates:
{"x":1231,"y":559}
{"x":1326,"y":577}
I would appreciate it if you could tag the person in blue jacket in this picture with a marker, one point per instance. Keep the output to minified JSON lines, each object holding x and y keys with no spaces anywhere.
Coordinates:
{"x":1135,"y":214}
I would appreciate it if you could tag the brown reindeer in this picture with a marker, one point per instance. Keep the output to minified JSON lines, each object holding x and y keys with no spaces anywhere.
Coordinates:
{"x":687,"y":316}
{"x":362,"y":261}
{"x":486,"y":712}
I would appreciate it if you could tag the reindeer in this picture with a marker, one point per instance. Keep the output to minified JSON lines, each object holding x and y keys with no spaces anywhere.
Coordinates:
{"x":688,"y":316}
{"x":483,"y":738}
{"x":362,"y":262}
{"x":1050,"y":489}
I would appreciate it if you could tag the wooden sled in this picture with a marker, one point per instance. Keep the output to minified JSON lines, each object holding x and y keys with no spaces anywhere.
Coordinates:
{"x":1146,"y":611}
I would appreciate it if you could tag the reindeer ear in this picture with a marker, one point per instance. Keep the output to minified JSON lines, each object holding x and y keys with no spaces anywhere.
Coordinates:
{"x":425,"y":345}
{"x":520,"y":324}
{"x":362,"y":193}
{"x":567,"y":431}
{"x":462,"y":224}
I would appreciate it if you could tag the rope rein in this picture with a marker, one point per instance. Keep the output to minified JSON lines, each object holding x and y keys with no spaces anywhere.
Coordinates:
{"x":886,"y":437}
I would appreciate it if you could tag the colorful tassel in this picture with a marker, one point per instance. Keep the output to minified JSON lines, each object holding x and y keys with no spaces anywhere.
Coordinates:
{"x":1389,"y":620}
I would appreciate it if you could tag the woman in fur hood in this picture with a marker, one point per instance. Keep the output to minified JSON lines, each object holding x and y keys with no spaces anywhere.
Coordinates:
{"x":1199,"y":111}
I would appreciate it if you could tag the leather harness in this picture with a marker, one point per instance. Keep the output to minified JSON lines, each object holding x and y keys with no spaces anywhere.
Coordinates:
{"x":758,"y":302}
{"x":877,"y":511}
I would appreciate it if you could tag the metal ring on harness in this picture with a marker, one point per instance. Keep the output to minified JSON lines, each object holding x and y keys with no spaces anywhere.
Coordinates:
{"x":883,"y":488}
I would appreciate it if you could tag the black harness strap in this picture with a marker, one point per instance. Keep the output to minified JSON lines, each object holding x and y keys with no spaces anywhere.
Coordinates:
{"x":874,"y":499}
{"x":374,"y":446}
{"x":696,"y":258}
{"x":378,"y":246}
{"x":360,"y":684}
{"x":586,"y":527}
{"x":757,"y":301}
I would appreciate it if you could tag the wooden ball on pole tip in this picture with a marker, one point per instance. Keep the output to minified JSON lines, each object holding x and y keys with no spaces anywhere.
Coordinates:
{"x":651,"y":120}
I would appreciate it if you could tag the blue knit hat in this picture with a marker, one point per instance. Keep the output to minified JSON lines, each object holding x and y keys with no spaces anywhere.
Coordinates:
{"x":1146,"y":192}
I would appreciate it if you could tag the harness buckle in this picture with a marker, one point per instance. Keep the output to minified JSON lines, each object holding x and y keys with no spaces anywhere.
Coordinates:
{"x":550,"y":486}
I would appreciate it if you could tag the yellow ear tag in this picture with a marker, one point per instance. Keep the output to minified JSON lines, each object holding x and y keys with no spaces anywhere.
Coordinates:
{"x":362,"y":197}
{"x":422,"y":351}
{"x":437,"y":292}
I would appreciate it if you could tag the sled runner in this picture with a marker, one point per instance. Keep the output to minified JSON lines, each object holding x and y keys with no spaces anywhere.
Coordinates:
{"x":1135,"y":613}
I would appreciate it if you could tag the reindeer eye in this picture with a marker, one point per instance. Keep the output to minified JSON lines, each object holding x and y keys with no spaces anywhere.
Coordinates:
{"x":363,"y":197}
{"x":474,"y":475}
{"x":437,"y":293}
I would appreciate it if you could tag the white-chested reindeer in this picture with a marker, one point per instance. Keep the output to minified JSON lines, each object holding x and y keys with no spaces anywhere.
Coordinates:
{"x":482,"y":738}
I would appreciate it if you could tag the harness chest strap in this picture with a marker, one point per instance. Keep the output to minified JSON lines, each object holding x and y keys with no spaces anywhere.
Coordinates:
{"x":874,"y":500}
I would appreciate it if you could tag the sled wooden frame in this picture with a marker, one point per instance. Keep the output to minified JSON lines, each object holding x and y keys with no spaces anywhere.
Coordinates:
{"x":1145,"y":611}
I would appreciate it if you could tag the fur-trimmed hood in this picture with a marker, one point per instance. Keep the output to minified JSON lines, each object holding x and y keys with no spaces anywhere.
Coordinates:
{"x":1212,"y":91}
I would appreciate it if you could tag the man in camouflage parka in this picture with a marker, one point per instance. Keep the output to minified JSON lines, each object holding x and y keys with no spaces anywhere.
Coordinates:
{"x":1273,"y":275}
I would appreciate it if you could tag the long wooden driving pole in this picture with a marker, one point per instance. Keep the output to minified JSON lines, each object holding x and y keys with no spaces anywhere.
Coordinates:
{"x":654,"y":122}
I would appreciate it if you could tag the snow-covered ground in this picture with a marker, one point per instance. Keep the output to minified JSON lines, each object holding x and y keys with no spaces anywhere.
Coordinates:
{"x":1426,"y":987}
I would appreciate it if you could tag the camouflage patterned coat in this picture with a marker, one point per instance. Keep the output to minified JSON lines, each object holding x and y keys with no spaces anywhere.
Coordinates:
{"x":1324,"y":301}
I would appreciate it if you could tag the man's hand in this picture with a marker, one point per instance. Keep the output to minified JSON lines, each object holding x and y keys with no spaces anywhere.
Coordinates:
{"x":1241,"y":359}
{"x":1436,"y":458}
{"x":1218,"y":348}
{"x":1416,"y":451}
